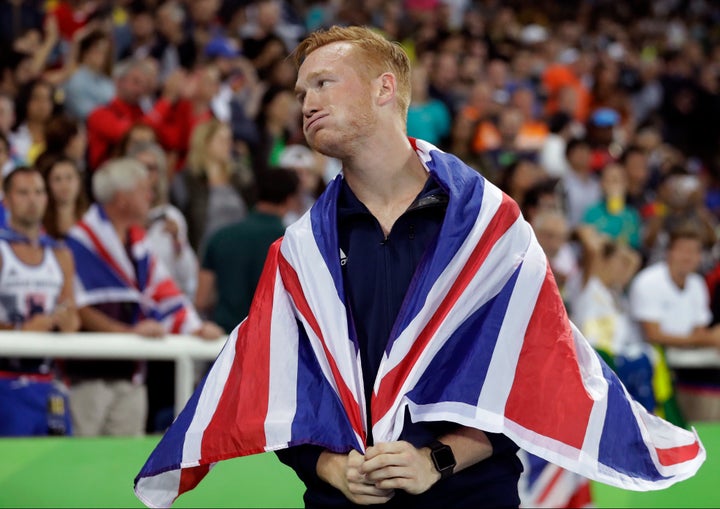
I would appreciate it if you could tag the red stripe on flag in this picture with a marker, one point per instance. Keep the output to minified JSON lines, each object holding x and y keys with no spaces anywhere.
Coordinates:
{"x":547,"y":491}
{"x":178,"y":319}
{"x":292,"y":284}
{"x":246,"y":392}
{"x":547,"y":377}
{"x":675,"y":455}
{"x":164,"y":290}
{"x":391,"y":383}
{"x":190,"y":477}
{"x":582,"y":496}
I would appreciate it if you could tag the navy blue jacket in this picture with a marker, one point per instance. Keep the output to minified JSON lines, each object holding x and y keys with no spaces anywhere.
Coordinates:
{"x":377,"y":271}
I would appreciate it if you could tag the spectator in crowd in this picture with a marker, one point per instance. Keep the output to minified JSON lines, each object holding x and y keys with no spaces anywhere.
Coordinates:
{"x":519,"y":176}
{"x":678,"y":203}
{"x":36,"y":294}
{"x":167,"y":231}
{"x":209,"y":190}
{"x":545,"y":194}
{"x":266,"y":36}
{"x":110,"y":251}
{"x":564,"y":79}
{"x":139,"y":132}
{"x":174,"y":47}
{"x":477,"y":107}
{"x":637,"y":174}
{"x":601,"y":312}
{"x":236,"y":253}
{"x":601,"y":135}
{"x":91,"y":84}
{"x":7,"y":114}
{"x":16,"y":18}
{"x":135,"y":38}
{"x":671,"y":303}
{"x":551,"y":155}
{"x":608,"y":93}
{"x":553,"y":233}
{"x":67,"y":199}
{"x":428,"y":118}
{"x":504,"y":141}
{"x":612,"y":215}
{"x":309,"y":165}
{"x":107,"y":124}
{"x":65,"y":136}
{"x":192,"y":108}
{"x":533,"y":129}
{"x":6,"y":166}
{"x":580,"y":185}
{"x":278,"y":126}
{"x":35,"y":105}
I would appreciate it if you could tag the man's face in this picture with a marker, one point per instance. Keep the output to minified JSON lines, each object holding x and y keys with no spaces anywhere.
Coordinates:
{"x":132,"y":86}
{"x":552,"y":235}
{"x":684,"y":256}
{"x":337,"y":106}
{"x":7,"y":114}
{"x":26,"y":200}
{"x":137,"y":201}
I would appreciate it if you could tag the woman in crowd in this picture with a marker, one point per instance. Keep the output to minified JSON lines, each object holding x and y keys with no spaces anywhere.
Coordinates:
{"x":67,"y":200}
{"x":34,"y":106}
{"x":209,"y":190}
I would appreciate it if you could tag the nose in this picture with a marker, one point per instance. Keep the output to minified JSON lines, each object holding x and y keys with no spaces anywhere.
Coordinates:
{"x":308,"y":107}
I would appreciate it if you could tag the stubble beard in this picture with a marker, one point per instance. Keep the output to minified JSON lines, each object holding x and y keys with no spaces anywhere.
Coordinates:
{"x":344,"y":142}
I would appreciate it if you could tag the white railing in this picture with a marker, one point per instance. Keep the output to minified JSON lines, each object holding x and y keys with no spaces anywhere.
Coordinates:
{"x":184,"y":350}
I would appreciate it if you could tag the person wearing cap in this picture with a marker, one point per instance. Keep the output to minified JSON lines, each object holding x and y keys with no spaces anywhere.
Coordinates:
{"x":601,"y":135}
{"x":305,"y":163}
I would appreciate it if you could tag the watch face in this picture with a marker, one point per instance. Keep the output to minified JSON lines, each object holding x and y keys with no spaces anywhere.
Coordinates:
{"x":444,"y":458}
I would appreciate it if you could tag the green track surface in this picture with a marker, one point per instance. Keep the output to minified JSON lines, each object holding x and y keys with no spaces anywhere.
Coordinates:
{"x":99,"y":472}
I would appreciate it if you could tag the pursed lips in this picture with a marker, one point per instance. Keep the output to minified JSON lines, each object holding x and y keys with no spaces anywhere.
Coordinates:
{"x":313,"y":120}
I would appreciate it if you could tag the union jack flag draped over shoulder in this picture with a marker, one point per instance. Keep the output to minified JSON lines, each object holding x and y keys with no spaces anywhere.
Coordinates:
{"x":482,"y":340}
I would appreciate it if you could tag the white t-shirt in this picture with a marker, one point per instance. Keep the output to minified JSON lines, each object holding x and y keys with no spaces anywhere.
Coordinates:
{"x":654,"y":297}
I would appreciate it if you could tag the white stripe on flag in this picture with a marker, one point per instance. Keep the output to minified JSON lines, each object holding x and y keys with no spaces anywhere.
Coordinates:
{"x":282,"y":397}
{"x":208,"y":401}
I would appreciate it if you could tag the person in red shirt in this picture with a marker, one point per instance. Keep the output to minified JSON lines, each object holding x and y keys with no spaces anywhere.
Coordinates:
{"x":108,"y":124}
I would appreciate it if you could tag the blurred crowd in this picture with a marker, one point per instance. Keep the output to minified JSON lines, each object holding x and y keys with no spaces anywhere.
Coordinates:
{"x":598,"y":117}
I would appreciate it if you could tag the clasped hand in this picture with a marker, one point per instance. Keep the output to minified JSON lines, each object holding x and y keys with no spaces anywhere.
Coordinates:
{"x":373,"y":478}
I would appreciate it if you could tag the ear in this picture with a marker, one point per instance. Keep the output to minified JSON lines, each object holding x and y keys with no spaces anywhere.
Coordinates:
{"x":387,"y":88}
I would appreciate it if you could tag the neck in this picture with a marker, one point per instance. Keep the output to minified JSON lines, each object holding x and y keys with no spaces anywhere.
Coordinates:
{"x":386,"y":179}
{"x":66,"y":217}
{"x":678,"y":278}
{"x":31,"y":232}
{"x":37,"y":129}
{"x":385,"y":175}
{"x":120,"y":224}
{"x":273,"y":209}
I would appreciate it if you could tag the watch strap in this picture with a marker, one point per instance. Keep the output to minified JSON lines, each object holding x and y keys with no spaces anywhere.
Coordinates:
{"x":443,"y":458}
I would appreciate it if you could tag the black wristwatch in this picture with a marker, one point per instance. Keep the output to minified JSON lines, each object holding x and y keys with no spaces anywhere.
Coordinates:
{"x":443,"y":458}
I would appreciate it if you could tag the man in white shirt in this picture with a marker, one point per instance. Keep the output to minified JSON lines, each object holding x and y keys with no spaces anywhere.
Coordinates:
{"x":670,"y":301}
